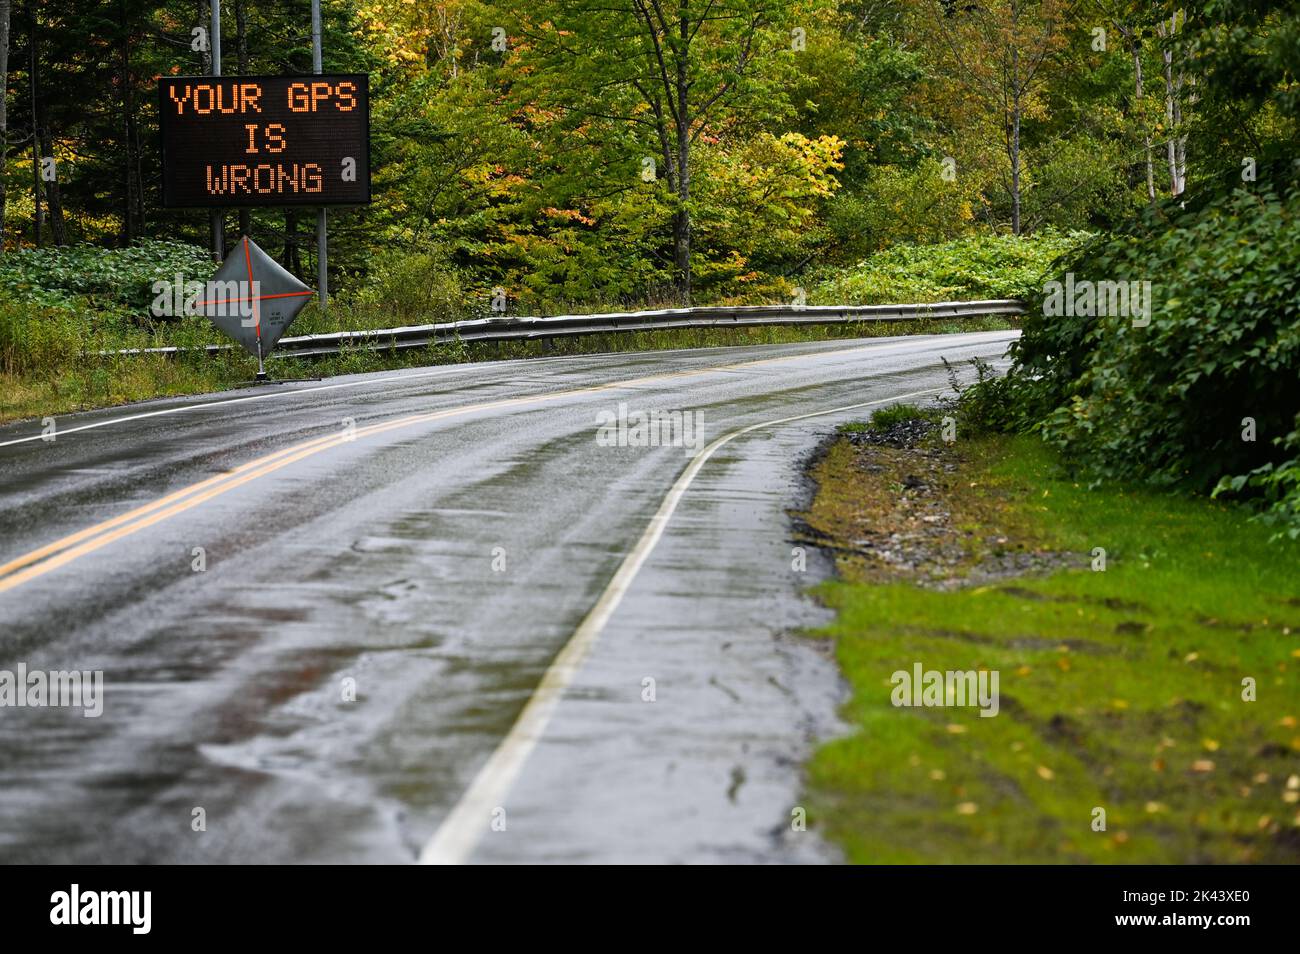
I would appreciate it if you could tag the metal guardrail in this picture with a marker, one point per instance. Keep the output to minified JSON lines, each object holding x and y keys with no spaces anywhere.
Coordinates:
{"x":528,"y":329}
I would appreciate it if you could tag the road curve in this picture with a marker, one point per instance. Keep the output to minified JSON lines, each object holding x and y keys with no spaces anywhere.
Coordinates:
{"x":320,"y":610}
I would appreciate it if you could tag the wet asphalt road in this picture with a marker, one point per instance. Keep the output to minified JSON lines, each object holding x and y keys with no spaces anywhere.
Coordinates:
{"x":439,"y":564}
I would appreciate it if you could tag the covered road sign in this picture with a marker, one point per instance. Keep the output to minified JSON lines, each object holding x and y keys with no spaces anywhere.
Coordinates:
{"x":253,"y":299}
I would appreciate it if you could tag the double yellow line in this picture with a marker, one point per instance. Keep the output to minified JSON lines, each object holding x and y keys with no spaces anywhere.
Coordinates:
{"x":62,"y":552}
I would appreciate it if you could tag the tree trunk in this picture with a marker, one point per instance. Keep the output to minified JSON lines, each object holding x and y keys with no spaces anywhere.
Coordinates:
{"x":1013,"y":141}
{"x":682,"y":217}
{"x":291,"y":259}
{"x":1180,"y":141}
{"x":1015,"y":166}
{"x":5,"y":9}
{"x":32,"y":84}
{"x":44,"y":143}
{"x":53,"y":200}
{"x":1170,"y":152}
{"x":205,"y":56}
{"x":1146,"y":138}
{"x":128,"y":130}
{"x":1176,"y":144}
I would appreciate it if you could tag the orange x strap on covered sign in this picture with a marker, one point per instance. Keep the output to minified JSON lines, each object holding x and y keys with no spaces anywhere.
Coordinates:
{"x":253,"y":299}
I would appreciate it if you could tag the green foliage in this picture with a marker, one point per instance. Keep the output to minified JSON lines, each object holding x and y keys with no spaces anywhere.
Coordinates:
{"x":900,"y":205}
{"x":35,"y":336}
{"x":412,"y":287}
{"x":886,"y":417}
{"x":1275,"y":486}
{"x":990,"y":404}
{"x":1081,"y":182}
{"x":1167,"y":402}
{"x":985,"y":266}
{"x":99,"y":277}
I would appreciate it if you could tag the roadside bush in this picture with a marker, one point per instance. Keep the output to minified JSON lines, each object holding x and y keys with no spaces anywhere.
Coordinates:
{"x":989,"y":404}
{"x":1276,"y":486}
{"x":416,"y":287}
{"x":915,"y":205}
{"x":1168,"y":402}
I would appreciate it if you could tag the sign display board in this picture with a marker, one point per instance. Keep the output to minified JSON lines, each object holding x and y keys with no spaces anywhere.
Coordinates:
{"x":265,"y":140}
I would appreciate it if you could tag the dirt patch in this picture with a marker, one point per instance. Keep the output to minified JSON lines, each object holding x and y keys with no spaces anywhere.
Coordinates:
{"x":896,"y":503}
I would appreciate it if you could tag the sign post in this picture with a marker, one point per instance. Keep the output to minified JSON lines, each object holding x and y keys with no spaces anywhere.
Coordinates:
{"x":267,"y":141}
{"x":322,"y":243}
{"x":218,"y":223}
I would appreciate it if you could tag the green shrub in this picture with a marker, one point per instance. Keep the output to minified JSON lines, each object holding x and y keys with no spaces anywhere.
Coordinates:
{"x":1167,"y":402}
{"x":902,"y":205}
{"x":986,"y":266}
{"x":415,"y":287}
{"x":1276,"y":486}
{"x":989,"y":404}
{"x":886,"y":417}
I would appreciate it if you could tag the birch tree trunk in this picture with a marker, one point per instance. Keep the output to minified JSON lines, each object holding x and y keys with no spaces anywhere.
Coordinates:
{"x":1013,"y":148}
{"x":1175,"y":143}
{"x":1146,"y":136}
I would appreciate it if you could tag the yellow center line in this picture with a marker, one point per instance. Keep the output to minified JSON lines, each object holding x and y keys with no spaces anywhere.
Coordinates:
{"x":140,"y":511}
{"x":69,"y":548}
{"x":186,"y":498}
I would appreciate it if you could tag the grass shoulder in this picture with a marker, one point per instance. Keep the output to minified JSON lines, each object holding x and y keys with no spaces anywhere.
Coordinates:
{"x":1120,"y":689}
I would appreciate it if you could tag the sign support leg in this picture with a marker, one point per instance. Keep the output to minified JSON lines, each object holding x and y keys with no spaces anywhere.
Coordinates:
{"x":322,"y":242}
{"x":218,"y":220}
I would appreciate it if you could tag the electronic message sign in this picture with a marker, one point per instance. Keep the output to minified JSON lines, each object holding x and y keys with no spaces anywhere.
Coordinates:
{"x":265,"y":140}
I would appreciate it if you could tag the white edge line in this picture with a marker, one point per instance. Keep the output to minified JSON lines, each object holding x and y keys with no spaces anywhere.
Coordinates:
{"x":455,"y":839}
{"x":445,"y":369}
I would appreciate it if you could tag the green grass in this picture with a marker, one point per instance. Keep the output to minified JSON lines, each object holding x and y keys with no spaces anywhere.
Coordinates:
{"x":887,"y":417}
{"x":1119,"y":689}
